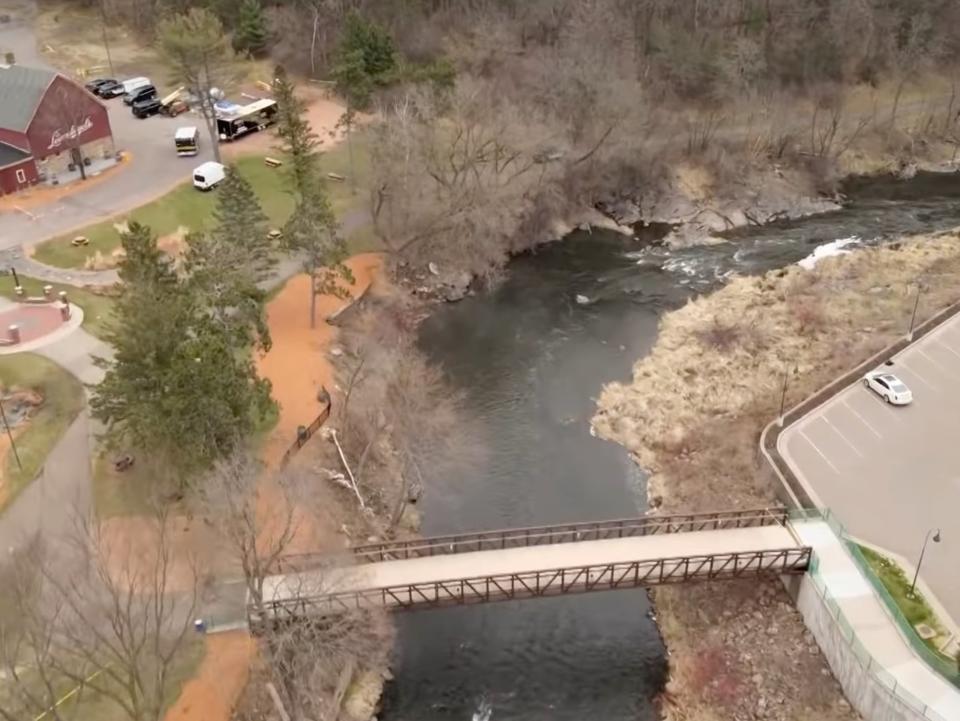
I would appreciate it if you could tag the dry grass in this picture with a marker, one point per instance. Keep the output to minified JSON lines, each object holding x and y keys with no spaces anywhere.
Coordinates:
{"x":692,"y":416}
{"x":697,"y":403}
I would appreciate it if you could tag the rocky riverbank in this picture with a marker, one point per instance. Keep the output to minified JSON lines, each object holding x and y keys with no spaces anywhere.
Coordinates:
{"x":692,"y":416}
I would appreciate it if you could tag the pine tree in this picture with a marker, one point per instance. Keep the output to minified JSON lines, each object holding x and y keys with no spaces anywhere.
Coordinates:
{"x":365,"y":58}
{"x":179,"y":388}
{"x":251,"y":34}
{"x":297,"y":139}
{"x":227,"y":264}
{"x":313,"y":232}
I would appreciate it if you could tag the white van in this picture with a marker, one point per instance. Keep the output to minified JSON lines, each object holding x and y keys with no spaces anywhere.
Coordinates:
{"x":207,"y":175}
{"x":135,"y":84}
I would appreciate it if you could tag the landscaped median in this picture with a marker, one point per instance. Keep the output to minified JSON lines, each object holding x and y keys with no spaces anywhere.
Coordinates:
{"x":186,"y":209}
{"x":40,"y":401}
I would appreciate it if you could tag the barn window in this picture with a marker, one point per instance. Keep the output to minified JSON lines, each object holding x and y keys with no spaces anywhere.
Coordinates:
{"x":21,"y":176}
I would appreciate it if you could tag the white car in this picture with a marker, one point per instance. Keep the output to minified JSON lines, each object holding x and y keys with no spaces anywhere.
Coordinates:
{"x":889,"y":387}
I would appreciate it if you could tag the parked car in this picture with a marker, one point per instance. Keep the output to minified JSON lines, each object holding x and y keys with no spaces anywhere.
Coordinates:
{"x":94,"y":85}
{"x":110,"y":89}
{"x":889,"y":387}
{"x":146,"y":107}
{"x":131,"y":84}
{"x":207,"y":175}
{"x":142,"y":93}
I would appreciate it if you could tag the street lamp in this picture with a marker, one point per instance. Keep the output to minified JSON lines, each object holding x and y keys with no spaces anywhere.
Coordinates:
{"x":936,"y":539}
{"x":913,"y":316}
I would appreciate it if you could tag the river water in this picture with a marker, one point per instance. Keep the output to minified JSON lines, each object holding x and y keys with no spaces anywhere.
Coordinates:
{"x":531,"y":358}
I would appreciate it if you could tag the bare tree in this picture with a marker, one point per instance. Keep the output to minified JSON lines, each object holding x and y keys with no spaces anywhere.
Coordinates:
{"x":102,"y":618}
{"x":399,"y":415}
{"x":258,"y":533}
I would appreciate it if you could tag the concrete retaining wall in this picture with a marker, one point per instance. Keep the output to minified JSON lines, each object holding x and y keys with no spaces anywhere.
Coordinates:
{"x":850,"y":664}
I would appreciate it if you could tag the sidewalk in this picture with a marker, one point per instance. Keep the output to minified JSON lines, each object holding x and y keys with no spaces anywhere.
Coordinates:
{"x":890,"y":656}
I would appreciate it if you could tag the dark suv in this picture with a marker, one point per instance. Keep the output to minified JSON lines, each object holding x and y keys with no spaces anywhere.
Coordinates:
{"x":147,"y":91}
{"x":109,"y":89}
{"x":94,"y":85}
{"x":146,"y":107}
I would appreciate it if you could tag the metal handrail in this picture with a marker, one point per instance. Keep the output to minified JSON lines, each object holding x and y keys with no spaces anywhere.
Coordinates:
{"x":547,"y":582}
{"x":553,"y":534}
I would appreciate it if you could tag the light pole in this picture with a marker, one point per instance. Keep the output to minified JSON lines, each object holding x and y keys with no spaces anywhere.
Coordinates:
{"x":783,"y":393}
{"x":913,"y":316}
{"x":936,"y":539}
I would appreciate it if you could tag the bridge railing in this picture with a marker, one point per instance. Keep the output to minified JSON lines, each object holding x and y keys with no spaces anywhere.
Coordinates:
{"x":548,"y":535}
{"x":550,"y":582}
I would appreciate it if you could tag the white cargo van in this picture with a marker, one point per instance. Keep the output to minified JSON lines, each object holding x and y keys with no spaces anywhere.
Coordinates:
{"x":207,"y":175}
{"x":134,"y":84}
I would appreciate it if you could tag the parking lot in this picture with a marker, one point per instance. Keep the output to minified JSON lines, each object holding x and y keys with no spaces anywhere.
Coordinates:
{"x":892,"y":473}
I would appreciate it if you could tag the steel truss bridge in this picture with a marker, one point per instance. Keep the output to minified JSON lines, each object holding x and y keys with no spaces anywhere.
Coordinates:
{"x":536,"y":562}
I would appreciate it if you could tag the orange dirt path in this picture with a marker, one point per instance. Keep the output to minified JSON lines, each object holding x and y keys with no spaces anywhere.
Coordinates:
{"x":296,"y":366}
{"x":223,"y":672}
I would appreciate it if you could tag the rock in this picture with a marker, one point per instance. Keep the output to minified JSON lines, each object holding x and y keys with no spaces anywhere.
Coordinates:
{"x":432,"y":267}
{"x":336,"y":351}
{"x":582,"y":299}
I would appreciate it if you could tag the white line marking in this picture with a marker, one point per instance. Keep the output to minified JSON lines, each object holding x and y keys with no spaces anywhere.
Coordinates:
{"x":947,"y":348}
{"x":819,"y":452}
{"x":919,"y":377}
{"x":862,"y":419}
{"x":842,"y":437}
{"x":938,"y":365}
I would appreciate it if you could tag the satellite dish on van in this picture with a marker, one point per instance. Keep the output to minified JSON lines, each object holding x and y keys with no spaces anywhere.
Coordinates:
{"x":216,"y":93}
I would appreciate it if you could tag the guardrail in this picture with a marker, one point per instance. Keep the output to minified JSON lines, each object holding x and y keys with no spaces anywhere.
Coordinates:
{"x":942,"y":665}
{"x":547,"y":535}
{"x":860,"y":652}
{"x":551,"y":582}
{"x":794,"y":491}
{"x":306,"y":434}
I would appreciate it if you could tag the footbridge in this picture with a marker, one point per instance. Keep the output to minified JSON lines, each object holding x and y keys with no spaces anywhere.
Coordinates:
{"x":536,"y":562}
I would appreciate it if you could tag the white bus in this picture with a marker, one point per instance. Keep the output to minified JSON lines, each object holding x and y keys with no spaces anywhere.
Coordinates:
{"x":187,"y":140}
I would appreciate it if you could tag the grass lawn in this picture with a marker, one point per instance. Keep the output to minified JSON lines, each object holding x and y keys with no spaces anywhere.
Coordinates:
{"x":127,"y":493}
{"x":186,"y":206}
{"x":89,"y":705}
{"x":62,"y":401}
{"x":913,"y":605}
{"x":96,"y":308}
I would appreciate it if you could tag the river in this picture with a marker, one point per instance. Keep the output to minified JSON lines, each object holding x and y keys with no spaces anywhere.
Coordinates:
{"x":530,"y":358}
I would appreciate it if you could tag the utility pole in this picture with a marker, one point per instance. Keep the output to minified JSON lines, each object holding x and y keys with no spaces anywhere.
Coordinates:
{"x":13,"y":444}
{"x":103,"y":31}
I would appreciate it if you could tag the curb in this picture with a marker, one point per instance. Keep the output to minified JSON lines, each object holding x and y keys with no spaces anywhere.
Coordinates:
{"x":793,"y":489}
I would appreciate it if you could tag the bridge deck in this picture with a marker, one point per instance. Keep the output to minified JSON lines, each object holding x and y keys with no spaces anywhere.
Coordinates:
{"x":323,"y":586}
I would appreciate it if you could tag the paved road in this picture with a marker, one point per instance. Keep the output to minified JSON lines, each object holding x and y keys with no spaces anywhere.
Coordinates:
{"x":502,"y":562}
{"x":891,"y":473}
{"x":154,"y":167}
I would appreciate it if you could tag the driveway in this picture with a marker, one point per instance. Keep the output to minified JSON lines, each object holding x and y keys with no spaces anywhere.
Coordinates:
{"x":153,"y":169}
{"x":892,"y":473}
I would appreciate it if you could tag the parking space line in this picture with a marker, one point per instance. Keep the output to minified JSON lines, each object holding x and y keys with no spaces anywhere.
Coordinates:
{"x":938,"y":365}
{"x":819,"y":452}
{"x":862,"y":419}
{"x":917,"y":377}
{"x":948,"y":348}
{"x":842,"y":437}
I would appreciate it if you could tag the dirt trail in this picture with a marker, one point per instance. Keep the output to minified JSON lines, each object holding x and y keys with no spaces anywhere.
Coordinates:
{"x":210,"y":695}
{"x":296,"y":366}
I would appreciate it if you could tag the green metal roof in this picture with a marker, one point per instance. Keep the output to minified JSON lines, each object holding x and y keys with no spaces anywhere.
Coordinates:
{"x":21,"y":90}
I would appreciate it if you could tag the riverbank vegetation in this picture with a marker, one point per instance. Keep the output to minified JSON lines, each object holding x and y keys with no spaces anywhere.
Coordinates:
{"x":500,"y":124}
{"x":692,"y":416}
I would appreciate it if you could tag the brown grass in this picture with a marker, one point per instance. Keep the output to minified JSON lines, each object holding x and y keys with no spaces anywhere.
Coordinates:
{"x":692,"y":416}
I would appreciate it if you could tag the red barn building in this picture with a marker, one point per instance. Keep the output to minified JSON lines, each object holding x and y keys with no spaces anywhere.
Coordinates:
{"x":48,"y":125}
